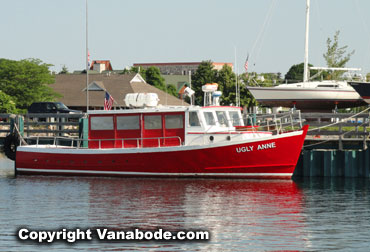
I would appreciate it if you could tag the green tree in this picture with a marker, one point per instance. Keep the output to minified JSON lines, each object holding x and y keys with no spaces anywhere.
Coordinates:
{"x":295,"y":73}
{"x":26,"y":81}
{"x":246,"y":97}
{"x":64,"y":70}
{"x":7,"y":105}
{"x":171,"y":89}
{"x":336,"y":56}
{"x":153,"y":77}
{"x":203,"y":75}
{"x":225,"y":79}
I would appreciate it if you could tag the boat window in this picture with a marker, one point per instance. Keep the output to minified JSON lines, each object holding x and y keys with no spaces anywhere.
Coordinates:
{"x":222,"y":119}
{"x":234,"y":116}
{"x":128,"y":122}
{"x":174,"y":121}
{"x":101,"y":123}
{"x":194,"y":119}
{"x":153,"y":122}
{"x":210,"y":120}
{"x":327,"y":85}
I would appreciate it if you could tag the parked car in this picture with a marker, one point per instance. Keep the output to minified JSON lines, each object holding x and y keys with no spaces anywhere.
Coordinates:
{"x":50,"y":107}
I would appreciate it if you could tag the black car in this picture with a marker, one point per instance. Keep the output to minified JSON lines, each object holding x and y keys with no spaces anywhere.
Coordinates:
{"x":50,"y":107}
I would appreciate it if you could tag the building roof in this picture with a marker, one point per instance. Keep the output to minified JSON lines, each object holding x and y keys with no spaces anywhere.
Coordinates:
{"x":72,"y":87}
{"x":107,"y":64}
{"x":180,"y":64}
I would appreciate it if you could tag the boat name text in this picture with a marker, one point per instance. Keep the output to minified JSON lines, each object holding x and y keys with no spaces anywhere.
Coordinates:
{"x":259,"y":147}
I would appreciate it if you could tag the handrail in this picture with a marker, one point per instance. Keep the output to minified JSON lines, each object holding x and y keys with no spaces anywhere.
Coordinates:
{"x":79,"y":141}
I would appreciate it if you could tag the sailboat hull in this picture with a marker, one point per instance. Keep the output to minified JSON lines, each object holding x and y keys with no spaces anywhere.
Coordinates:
{"x":307,"y":99}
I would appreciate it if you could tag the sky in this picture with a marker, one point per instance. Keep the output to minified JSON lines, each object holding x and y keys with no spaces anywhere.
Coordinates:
{"x":125,"y":32}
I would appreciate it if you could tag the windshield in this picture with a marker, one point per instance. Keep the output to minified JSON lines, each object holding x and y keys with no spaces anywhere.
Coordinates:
{"x":234,"y":116}
{"x":222,"y":119}
{"x":210,"y":120}
{"x":60,"y":105}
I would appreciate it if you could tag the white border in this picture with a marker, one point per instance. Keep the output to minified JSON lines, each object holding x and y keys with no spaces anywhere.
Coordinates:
{"x":66,"y":150}
{"x":155,"y":173}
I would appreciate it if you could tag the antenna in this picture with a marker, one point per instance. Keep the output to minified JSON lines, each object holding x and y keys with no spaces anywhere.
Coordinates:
{"x":305,"y":72}
{"x":87,"y":64}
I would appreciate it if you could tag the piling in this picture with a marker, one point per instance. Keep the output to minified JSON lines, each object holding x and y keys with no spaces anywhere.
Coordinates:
{"x":334,"y":163}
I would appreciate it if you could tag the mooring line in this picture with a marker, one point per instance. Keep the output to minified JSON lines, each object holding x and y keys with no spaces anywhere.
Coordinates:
{"x":341,"y":120}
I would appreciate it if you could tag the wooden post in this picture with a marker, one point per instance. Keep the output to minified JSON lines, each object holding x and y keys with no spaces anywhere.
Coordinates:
{"x":83,"y":131}
{"x":340,"y":137}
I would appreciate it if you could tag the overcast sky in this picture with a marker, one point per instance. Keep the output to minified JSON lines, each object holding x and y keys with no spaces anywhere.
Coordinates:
{"x":138,"y":31}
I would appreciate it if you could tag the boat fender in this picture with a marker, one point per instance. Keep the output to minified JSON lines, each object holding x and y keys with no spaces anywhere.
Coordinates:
{"x":228,"y":138}
{"x":10,"y":145}
{"x":211,"y":138}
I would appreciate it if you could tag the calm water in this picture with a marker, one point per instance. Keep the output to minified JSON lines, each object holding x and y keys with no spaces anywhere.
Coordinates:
{"x":242,"y":215}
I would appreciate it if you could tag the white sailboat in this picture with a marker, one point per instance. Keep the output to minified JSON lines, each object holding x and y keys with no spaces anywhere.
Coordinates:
{"x":308,"y":95}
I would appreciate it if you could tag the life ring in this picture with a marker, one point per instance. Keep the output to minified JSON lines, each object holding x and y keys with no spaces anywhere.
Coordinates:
{"x":11,"y":143}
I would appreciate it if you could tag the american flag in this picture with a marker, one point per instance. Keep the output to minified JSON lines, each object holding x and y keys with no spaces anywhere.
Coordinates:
{"x":108,"y":101}
{"x":88,"y":58}
{"x":246,"y":64}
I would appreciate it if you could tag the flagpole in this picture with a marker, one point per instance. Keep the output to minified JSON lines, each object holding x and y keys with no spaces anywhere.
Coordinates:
{"x":236,"y":80}
{"x":87,"y":64}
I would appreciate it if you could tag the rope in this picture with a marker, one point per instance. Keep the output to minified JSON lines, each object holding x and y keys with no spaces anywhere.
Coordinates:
{"x":325,"y":141}
{"x":261,"y":34}
{"x":341,"y":120}
{"x":19,"y":134}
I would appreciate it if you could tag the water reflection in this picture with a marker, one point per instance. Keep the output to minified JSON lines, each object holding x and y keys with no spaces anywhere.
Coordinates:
{"x":257,"y":215}
{"x":238,"y":213}
{"x":6,"y":166}
{"x":336,"y":212}
{"x":155,"y":202}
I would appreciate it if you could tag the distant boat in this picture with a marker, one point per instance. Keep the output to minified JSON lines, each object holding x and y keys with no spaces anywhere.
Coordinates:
{"x":309,"y":96}
{"x":363,"y":89}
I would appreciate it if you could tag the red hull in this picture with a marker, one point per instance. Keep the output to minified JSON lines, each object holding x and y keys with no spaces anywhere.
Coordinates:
{"x":276,"y":157}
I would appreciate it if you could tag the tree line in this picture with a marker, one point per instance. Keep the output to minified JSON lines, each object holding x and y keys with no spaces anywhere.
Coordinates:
{"x":26,"y":81}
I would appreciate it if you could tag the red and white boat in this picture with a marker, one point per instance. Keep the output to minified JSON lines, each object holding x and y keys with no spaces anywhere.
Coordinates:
{"x":190,"y":141}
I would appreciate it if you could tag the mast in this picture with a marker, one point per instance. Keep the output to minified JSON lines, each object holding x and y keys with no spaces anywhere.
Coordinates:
{"x":236,"y":81}
{"x":87,"y":64}
{"x":305,"y":71}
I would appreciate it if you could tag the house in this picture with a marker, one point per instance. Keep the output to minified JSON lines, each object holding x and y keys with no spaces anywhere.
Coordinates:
{"x":72,"y":87}
{"x":177,"y":80}
{"x":101,"y":65}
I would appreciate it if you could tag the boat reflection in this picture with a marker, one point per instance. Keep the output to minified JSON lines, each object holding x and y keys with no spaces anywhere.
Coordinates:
{"x":195,"y":203}
{"x":251,"y":213}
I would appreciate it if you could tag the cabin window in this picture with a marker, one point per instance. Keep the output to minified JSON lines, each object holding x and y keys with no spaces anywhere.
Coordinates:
{"x":194,"y":119}
{"x":234,"y":116}
{"x":222,"y":119}
{"x":210,"y":120}
{"x":153,"y":122}
{"x":329,"y":86}
{"x":101,"y":123}
{"x":128,"y":122}
{"x":174,"y":121}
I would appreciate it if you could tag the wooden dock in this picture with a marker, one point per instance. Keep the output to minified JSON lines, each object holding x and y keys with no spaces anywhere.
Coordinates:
{"x":42,"y":125}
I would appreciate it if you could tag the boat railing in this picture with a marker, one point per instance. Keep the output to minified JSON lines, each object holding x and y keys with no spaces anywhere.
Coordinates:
{"x":78,"y":143}
{"x":278,"y":123}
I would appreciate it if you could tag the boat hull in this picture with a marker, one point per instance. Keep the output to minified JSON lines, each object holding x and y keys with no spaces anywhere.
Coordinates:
{"x":306,"y":99}
{"x":363,"y":89}
{"x":271,"y":157}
